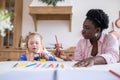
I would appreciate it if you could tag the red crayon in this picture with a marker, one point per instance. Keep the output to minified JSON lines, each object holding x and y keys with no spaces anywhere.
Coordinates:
{"x":57,"y":44}
{"x":51,"y":65}
{"x":38,"y":65}
{"x":114,"y":73}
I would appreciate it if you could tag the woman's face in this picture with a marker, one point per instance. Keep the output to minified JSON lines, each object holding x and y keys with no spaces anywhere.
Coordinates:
{"x":89,"y":29}
{"x":34,"y":44}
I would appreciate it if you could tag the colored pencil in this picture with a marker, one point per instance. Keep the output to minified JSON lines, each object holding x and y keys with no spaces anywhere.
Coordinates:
{"x":57,"y":45}
{"x":62,"y":65}
{"x":57,"y":65}
{"x":43,"y":66}
{"x":38,"y":65}
{"x":114,"y":73}
{"x":15,"y":65}
{"x":51,"y":65}
{"x":31,"y":65}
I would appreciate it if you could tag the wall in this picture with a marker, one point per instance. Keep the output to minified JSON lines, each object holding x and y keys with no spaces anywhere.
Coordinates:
{"x":48,"y":29}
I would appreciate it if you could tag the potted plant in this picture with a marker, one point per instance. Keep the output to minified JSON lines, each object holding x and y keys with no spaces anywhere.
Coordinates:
{"x":51,"y":2}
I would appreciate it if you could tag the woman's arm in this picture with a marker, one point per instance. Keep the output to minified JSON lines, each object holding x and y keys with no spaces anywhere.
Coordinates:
{"x":91,"y":61}
{"x":111,"y":53}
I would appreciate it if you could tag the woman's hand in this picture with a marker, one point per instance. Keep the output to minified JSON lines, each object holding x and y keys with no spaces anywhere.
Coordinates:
{"x":60,"y":54}
{"x":85,"y":62}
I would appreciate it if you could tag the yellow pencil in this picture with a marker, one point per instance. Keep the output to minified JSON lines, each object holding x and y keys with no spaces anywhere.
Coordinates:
{"x":62,"y":65}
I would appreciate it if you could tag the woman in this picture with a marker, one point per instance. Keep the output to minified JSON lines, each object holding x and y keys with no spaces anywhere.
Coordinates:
{"x":96,"y":47}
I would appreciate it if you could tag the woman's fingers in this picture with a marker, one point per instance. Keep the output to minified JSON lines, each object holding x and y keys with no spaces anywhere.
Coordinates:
{"x":58,"y":52}
{"x":84,"y":63}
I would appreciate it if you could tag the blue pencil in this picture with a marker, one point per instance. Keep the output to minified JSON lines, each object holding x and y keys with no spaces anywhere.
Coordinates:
{"x":31,"y":65}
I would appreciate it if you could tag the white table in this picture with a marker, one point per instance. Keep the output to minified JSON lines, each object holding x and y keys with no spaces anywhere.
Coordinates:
{"x":64,"y":71}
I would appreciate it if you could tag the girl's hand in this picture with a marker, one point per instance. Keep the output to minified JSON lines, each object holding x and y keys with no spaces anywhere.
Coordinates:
{"x":30,"y":56}
{"x":85,"y":62}
{"x":44,"y":56}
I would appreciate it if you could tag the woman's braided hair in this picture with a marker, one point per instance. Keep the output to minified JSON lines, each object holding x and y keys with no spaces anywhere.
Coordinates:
{"x":99,"y":18}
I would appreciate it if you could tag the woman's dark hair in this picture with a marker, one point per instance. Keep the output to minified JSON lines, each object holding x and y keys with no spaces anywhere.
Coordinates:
{"x":99,"y":18}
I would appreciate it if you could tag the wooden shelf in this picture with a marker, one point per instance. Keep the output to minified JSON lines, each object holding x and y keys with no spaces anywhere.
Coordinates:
{"x":11,"y":54}
{"x":51,"y":13}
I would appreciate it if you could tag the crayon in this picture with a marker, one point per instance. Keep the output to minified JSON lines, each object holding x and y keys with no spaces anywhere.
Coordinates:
{"x":57,"y":65}
{"x":114,"y":73}
{"x":57,"y":45}
{"x":62,"y":65}
{"x":22,"y":65}
{"x":42,"y":60}
{"x":31,"y":65}
{"x":43,"y":65}
{"x":49,"y":65}
{"x":15,"y":65}
{"x":38,"y":65}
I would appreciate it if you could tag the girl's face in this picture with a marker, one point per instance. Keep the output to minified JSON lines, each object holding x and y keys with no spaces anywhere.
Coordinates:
{"x":34,"y":44}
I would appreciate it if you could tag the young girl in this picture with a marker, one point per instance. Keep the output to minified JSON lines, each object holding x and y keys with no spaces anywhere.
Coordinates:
{"x":36,"y":50}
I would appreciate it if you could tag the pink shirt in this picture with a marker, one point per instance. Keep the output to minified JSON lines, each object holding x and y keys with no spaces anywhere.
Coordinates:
{"x":108,"y":48}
